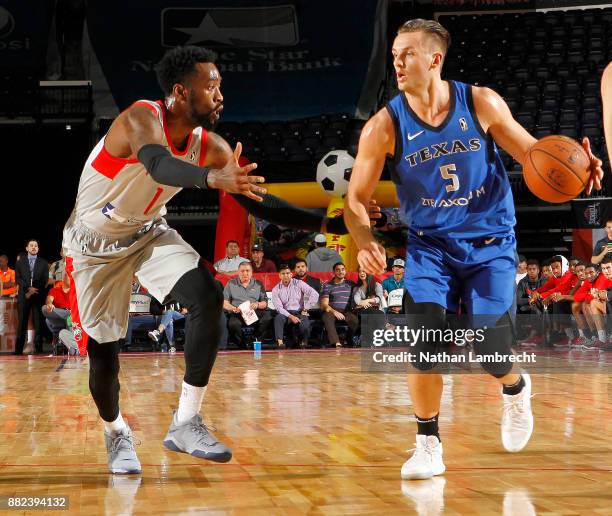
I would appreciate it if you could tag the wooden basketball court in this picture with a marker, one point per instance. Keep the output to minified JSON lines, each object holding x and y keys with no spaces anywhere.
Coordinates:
{"x":310,"y":433}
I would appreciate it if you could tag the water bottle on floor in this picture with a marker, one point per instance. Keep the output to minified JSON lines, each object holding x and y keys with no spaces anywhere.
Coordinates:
{"x":257,"y":349}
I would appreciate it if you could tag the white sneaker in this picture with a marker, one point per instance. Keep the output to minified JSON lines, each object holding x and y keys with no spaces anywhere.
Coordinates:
{"x":517,"y":419}
{"x":426,"y":461}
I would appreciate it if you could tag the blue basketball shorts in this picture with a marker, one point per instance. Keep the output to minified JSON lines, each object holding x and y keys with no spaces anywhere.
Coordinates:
{"x":478,"y":274}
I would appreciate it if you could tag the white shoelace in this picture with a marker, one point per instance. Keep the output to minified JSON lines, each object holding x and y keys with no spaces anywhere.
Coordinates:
{"x":118,"y":441}
{"x":516,"y":408}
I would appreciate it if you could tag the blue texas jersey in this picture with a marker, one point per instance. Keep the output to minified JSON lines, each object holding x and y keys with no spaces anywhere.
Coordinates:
{"x":450,"y":179}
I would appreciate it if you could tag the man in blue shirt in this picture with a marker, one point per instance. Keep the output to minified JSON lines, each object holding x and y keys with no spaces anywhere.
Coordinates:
{"x":292,"y":299}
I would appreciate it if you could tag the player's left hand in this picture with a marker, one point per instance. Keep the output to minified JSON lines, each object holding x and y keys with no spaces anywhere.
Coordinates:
{"x":373,"y":258}
{"x":596,"y":170}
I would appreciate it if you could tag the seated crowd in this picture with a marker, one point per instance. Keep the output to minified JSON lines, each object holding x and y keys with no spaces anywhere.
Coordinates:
{"x":564,"y":302}
{"x":559,"y":302}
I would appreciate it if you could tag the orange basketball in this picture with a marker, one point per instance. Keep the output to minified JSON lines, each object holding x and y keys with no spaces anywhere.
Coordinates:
{"x":556,"y":169}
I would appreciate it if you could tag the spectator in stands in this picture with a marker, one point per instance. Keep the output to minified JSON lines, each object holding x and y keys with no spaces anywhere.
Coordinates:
{"x":395,"y":282}
{"x":596,"y":303}
{"x":546,"y":272}
{"x":170,"y":314}
{"x":563,"y":299}
{"x":603,"y":247}
{"x":573,"y":261}
{"x":143,"y":311}
{"x":582,"y":323}
{"x":259,"y":263}
{"x":57,"y":308}
{"x":560,"y":279}
{"x":301,"y":272}
{"x":8,"y":286}
{"x":368,"y":296}
{"x":561,"y":274}
{"x":292,"y":299}
{"x":237,"y":291}
{"x":56,"y":270}
{"x":533,"y":311}
{"x":322,"y":259}
{"x":336,"y":304}
{"x":521,"y":270}
{"x":229,"y":264}
{"x":31,"y":275}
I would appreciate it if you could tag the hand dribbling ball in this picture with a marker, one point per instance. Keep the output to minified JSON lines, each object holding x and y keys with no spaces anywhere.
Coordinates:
{"x":556,"y":169}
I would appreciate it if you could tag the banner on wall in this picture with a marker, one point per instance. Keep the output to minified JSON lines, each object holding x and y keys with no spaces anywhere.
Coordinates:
{"x":591,"y":213}
{"x":279,"y":61}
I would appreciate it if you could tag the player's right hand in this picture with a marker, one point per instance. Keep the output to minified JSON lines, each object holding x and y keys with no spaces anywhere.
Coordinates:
{"x":372,"y":258}
{"x":235,"y":179}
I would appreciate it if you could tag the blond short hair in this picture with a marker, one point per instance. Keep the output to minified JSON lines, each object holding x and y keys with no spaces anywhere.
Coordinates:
{"x":431,"y":27}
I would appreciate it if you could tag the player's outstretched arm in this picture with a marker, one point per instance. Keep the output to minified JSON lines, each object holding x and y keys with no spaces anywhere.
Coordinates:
{"x":272,"y":208}
{"x":606,"y":100}
{"x":495,"y":117}
{"x":376,"y":142}
{"x":278,"y":211}
{"x":138,"y":132}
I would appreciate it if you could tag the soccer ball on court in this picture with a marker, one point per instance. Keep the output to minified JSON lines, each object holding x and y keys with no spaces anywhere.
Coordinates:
{"x":334,"y":172}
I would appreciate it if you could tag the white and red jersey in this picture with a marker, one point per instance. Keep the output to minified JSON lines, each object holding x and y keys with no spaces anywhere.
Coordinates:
{"x":117,"y":196}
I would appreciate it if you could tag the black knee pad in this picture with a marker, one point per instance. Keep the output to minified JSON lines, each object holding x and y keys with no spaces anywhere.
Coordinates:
{"x":428,"y":316}
{"x":103,"y":358}
{"x":198,"y":291}
{"x":498,"y":339}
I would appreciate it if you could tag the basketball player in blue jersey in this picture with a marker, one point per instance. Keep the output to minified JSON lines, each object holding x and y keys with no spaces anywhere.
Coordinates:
{"x":455,"y":195}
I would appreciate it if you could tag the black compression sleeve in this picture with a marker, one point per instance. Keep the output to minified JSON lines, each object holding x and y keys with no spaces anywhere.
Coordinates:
{"x":280,"y":212}
{"x":167,"y":170}
{"x":337,"y":226}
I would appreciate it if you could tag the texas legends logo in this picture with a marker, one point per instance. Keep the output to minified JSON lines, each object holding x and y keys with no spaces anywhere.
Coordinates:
{"x":592,"y":214}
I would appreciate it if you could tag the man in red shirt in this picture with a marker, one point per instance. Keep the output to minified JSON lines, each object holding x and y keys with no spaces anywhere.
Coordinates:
{"x":561,"y":276}
{"x":561,"y":299}
{"x":259,"y":263}
{"x":595,"y":304}
{"x":57,"y":308}
{"x":591,"y":273}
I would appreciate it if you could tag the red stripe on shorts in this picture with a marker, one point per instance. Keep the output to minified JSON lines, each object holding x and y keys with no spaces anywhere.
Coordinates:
{"x":77,"y":328}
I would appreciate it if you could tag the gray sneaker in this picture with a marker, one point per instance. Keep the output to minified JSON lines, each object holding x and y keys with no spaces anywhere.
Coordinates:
{"x":122,"y":457}
{"x":193,"y":437}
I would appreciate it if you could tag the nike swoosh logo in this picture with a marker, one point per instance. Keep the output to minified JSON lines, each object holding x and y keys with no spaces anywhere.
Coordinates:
{"x":413,"y":136}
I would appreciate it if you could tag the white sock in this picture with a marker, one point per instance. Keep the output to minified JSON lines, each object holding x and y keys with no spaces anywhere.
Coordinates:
{"x":190,"y":402}
{"x":31,"y":334}
{"x":116,"y":425}
{"x":601,"y":335}
{"x":569,"y":332}
{"x":581,"y":333}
